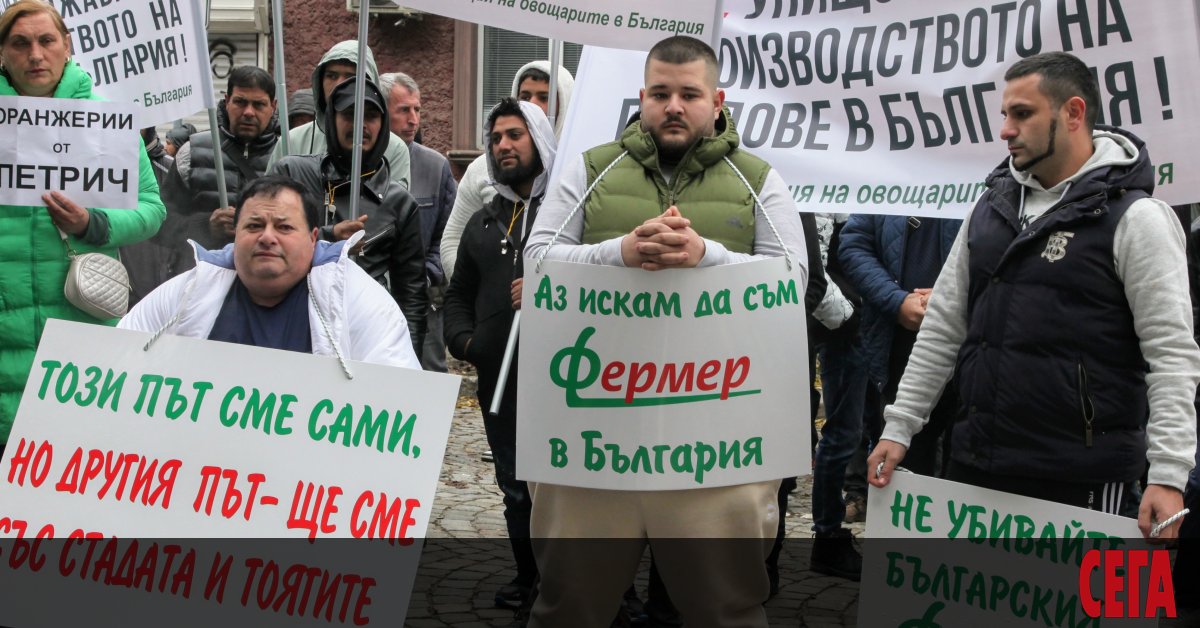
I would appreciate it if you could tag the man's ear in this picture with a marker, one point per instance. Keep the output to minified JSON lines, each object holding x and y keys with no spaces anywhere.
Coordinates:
{"x":718,"y":102}
{"x":315,"y":234}
{"x":1076,"y":109}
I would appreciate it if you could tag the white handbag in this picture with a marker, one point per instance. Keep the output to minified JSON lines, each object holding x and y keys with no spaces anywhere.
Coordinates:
{"x":96,"y":283}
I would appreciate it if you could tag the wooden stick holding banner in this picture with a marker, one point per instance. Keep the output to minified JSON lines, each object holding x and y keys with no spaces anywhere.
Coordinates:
{"x":360,"y":75}
{"x":280,"y":78}
{"x":511,"y":348}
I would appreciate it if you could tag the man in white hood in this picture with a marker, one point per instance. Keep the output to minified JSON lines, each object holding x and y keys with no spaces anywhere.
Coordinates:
{"x":484,"y":294}
{"x":475,"y":190}
{"x":1063,"y":311}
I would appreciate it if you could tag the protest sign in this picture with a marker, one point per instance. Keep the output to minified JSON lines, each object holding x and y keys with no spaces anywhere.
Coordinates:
{"x":233,"y":442}
{"x":894,"y":107}
{"x":675,"y":379}
{"x":633,"y":24}
{"x":154,"y":53}
{"x":86,"y":149}
{"x":940,"y":553}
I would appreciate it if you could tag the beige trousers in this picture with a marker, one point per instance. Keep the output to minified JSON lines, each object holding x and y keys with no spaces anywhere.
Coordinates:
{"x":710,"y":545}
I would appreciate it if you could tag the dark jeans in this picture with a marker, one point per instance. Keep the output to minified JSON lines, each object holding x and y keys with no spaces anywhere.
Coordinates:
{"x":501,"y":432}
{"x":844,"y":387}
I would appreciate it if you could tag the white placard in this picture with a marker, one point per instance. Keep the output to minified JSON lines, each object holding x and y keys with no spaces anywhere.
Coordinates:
{"x":208,"y":440}
{"x":676,"y":379}
{"x":632,"y":24}
{"x":917,"y":133}
{"x":950,"y":554}
{"x":152,"y":52}
{"x":86,"y":149}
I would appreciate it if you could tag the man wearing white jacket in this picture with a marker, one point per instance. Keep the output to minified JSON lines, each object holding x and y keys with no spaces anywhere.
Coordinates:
{"x":277,"y":286}
{"x":475,"y":190}
{"x":1063,"y":309}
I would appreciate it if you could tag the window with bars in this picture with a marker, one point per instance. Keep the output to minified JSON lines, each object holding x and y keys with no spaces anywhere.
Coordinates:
{"x":504,"y":52}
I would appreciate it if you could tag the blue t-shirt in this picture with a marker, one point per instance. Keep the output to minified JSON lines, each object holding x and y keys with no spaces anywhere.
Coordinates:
{"x":284,"y":326}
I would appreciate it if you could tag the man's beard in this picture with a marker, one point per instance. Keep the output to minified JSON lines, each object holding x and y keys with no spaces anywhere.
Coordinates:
{"x":1033,"y":161}
{"x":517,"y":174}
{"x":672,"y":150}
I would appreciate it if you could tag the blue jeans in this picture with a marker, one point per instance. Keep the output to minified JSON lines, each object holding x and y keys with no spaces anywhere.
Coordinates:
{"x":844,"y":388}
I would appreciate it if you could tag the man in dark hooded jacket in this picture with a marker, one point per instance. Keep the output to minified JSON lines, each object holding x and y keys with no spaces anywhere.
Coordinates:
{"x":249,"y":130}
{"x":391,"y":252}
{"x":486,"y":289}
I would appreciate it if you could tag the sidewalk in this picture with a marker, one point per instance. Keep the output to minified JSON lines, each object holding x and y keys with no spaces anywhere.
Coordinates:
{"x":467,"y":557}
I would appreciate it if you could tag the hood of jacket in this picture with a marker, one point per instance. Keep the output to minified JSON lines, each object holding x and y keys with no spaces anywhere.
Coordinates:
{"x":340,"y":157}
{"x":566,"y":85}
{"x":343,"y":51}
{"x":543,"y":139}
{"x":1120,"y":161}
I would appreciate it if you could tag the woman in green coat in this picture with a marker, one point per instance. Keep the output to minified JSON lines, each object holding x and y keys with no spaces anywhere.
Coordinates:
{"x":35,"y":60}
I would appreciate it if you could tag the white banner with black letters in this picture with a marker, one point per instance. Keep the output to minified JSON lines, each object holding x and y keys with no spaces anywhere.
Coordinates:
{"x":86,"y":149}
{"x":894,"y":107}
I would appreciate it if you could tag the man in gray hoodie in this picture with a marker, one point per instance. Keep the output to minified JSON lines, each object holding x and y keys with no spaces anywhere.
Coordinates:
{"x":339,"y":64}
{"x":1063,"y":311}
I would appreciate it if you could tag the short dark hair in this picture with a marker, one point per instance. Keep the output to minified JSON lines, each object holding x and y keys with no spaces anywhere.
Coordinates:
{"x":270,"y":186}
{"x":682,"y":49}
{"x":533,"y":73}
{"x":250,"y":77}
{"x":1063,"y":77}
{"x":507,"y":106}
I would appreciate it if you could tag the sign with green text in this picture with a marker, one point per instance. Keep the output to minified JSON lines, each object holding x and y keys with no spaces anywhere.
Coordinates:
{"x":940,"y":553}
{"x":676,"y":379}
{"x":192,"y":440}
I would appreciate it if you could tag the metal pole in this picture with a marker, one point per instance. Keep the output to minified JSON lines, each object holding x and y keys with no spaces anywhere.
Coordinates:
{"x":214,"y":127}
{"x":280,"y":79}
{"x":555,"y":61}
{"x":509,"y":350}
{"x":360,"y":75}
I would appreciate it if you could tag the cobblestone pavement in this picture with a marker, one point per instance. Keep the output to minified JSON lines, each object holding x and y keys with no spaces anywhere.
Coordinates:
{"x":467,"y":557}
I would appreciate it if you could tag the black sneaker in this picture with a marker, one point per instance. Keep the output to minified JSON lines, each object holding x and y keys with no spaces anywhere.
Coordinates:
{"x":834,"y":554}
{"x":511,"y":595}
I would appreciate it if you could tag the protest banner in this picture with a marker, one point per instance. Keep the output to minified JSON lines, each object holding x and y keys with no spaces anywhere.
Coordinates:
{"x":894,"y":107}
{"x":633,"y":24}
{"x":231,"y":442}
{"x":154,"y":53}
{"x":86,"y":149}
{"x":675,"y":379}
{"x":940,"y":553}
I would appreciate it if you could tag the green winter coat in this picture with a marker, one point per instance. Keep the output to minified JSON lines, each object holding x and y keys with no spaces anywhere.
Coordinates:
{"x":33,"y":262}
{"x":707,"y":191}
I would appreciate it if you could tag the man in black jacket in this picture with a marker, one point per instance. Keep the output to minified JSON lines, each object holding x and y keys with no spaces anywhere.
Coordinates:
{"x":485,"y":289}
{"x":391,"y":252}
{"x":249,"y":130}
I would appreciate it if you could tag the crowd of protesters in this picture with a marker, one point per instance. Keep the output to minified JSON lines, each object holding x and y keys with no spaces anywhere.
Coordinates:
{"x":1043,"y":346}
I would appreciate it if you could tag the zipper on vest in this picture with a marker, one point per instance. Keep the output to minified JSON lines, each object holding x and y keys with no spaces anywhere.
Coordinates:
{"x":1085,"y":403}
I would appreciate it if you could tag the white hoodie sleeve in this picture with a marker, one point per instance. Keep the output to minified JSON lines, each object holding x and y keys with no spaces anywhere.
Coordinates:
{"x":1151,"y":259}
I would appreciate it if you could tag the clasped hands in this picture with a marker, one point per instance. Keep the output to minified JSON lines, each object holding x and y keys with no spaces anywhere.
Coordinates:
{"x":665,"y":241}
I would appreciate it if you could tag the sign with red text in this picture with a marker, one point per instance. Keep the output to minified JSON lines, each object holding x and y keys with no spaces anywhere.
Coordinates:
{"x":194,"y":440}
{"x":867,"y":106}
{"x":634,"y":24}
{"x":676,"y":379}
{"x":86,"y":149}
{"x":153,"y":53}
{"x":940,"y":553}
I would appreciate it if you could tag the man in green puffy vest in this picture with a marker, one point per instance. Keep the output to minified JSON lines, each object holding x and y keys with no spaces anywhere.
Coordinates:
{"x":674,"y":192}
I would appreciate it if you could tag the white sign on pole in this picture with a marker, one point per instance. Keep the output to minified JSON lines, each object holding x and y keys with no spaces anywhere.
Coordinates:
{"x":633,"y":24}
{"x":940,"y":553}
{"x":86,"y":149}
{"x":233,"y":442}
{"x":154,"y":53}
{"x":894,"y":108}
{"x":676,"y":379}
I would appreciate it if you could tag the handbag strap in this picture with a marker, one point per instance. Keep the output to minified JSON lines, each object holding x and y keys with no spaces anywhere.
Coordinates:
{"x":66,"y":242}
